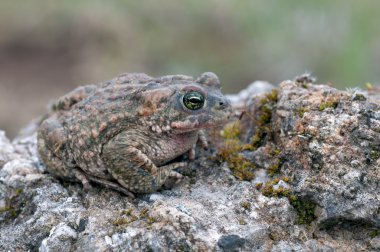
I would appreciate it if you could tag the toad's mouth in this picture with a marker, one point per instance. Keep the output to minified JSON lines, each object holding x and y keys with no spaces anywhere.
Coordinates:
{"x":197,"y":123}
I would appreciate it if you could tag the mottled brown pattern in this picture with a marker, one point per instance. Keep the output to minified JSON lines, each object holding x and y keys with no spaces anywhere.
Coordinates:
{"x":123,"y":133}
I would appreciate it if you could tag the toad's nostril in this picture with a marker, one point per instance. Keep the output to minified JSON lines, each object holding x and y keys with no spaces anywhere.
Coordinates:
{"x":221,"y":103}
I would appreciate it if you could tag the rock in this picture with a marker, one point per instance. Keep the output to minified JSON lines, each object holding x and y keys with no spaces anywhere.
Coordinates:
{"x":7,"y":150}
{"x":285,"y":246}
{"x":315,"y":246}
{"x":316,"y":153}
{"x":332,"y":151}
{"x":255,"y":88}
{"x":231,"y":242}
{"x":329,"y":142}
{"x":375,"y":243}
{"x":60,"y":239}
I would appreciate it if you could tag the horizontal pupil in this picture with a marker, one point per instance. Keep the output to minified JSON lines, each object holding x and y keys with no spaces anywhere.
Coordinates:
{"x":195,"y":99}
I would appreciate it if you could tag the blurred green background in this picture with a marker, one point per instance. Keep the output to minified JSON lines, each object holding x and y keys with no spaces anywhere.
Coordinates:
{"x":49,"y":47}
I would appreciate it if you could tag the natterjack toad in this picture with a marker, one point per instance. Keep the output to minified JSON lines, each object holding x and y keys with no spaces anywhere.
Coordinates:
{"x":123,"y":133}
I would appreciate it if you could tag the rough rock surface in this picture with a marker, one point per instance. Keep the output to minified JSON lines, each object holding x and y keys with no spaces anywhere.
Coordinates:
{"x":333,"y":152}
{"x":328,"y":144}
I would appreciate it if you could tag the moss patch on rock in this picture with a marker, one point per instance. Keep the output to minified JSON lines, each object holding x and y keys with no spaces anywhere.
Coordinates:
{"x":305,"y":209}
{"x":240,"y":166}
{"x":13,"y":206}
{"x":263,"y":118}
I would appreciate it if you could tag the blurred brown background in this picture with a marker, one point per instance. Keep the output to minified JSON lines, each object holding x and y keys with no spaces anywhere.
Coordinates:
{"x":49,"y":47}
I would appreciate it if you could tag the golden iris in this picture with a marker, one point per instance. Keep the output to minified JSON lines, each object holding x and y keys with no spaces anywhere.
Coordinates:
{"x":193,"y":100}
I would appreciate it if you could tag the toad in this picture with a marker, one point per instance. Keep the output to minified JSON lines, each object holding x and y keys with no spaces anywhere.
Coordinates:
{"x":125,"y":132}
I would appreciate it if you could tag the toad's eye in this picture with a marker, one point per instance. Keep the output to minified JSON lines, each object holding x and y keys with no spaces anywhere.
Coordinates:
{"x":193,"y":100}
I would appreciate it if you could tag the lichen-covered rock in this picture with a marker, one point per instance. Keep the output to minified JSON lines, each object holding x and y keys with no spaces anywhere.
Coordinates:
{"x":328,"y":144}
{"x":316,"y":187}
{"x":332,"y":150}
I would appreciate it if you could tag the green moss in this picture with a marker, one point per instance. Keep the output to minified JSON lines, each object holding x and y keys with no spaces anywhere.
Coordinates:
{"x":257,"y":139}
{"x":8,"y":209}
{"x":285,"y":179}
{"x":274,"y":168}
{"x":242,"y":221}
{"x":374,"y":233}
{"x":272,"y":96}
{"x":125,"y":220}
{"x":374,"y":155}
{"x":266,"y":107}
{"x":18,"y":191}
{"x":304,"y":208}
{"x":13,"y":204}
{"x":5,"y":209}
{"x":231,"y":131}
{"x":263,"y":118}
{"x":150,"y":220}
{"x":144,"y":212}
{"x":275,"y":152}
{"x":259,"y":185}
{"x":273,"y":237}
{"x":127,"y":212}
{"x":241,"y":167}
{"x":127,"y":216}
{"x":246,"y":205}
{"x":359,"y":97}
{"x":302,"y":111}
{"x":267,"y":190}
{"x":328,"y":104}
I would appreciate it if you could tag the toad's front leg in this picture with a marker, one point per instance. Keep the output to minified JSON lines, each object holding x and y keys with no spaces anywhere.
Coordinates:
{"x":133,"y":169}
{"x":202,"y":141}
